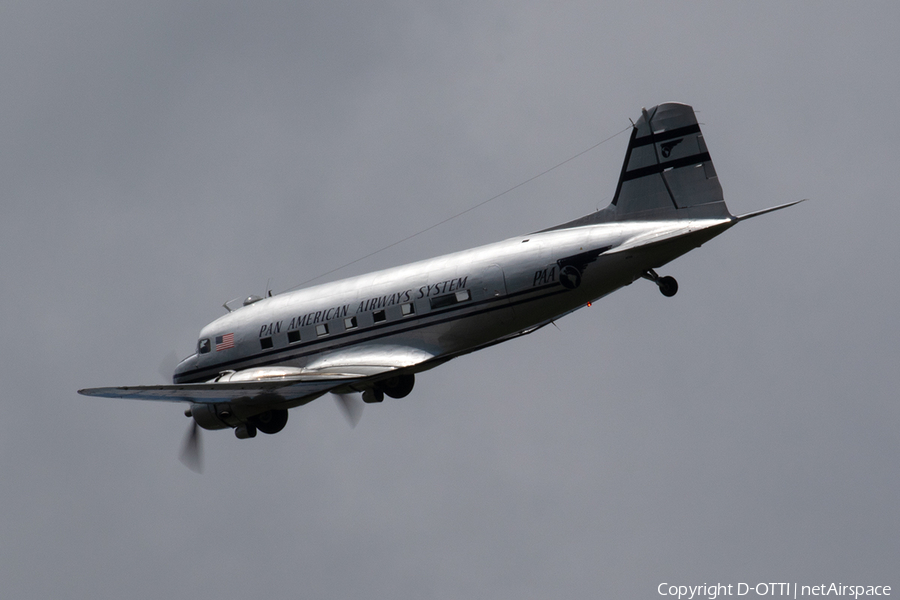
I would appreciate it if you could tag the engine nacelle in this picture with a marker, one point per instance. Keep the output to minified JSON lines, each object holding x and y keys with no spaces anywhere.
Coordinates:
{"x":207,"y":416}
{"x":254,"y":374}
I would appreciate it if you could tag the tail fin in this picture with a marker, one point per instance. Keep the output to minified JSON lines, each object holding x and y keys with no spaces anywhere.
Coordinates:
{"x":667,"y":170}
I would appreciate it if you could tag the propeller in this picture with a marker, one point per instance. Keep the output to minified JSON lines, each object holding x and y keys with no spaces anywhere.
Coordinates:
{"x":190,"y":452}
{"x":351,"y":405}
{"x":167,"y":366}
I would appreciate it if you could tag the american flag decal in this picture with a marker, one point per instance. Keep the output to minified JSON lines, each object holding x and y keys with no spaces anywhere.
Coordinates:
{"x":224,"y":342}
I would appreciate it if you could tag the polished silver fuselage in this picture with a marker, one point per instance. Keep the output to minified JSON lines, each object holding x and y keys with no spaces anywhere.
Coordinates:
{"x":430,"y":311}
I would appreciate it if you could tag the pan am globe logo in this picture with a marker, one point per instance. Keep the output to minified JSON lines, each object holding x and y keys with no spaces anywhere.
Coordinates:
{"x":570,"y":277}
{"x":668,"y":146}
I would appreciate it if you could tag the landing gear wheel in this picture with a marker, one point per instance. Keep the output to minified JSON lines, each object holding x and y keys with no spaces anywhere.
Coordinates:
{"x":242,"y":432}
{"x":399,"y":386}
{"x":371,"y":396}
{"x":271,"y":421}
{"x":667,"y":286}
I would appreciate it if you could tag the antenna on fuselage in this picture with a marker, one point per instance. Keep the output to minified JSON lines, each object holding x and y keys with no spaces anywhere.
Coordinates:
{"x":246,"y":301}
{"x":249,"y":299}
{"x":459,"y":214}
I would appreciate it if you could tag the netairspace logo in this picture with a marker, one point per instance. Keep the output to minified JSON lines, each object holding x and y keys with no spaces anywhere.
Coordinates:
{"x":713,"y":591}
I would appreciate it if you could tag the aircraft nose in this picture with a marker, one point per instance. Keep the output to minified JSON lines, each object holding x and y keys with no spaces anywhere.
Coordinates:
{"x":184,"y":367}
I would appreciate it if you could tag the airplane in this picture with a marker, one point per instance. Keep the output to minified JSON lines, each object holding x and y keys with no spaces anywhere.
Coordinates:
{"x":372,"y":334}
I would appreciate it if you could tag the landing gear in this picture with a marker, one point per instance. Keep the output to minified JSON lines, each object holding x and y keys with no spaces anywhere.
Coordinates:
{"x":370,"y":396}
{"x":242,"y":432}
{"x":271,"y":421}
{"x":399,"y":386}
{"x":668,"y":287}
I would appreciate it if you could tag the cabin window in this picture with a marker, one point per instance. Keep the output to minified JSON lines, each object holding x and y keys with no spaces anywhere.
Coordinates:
{"x":322,"y":329}
{"x":450,"y":299}
{"x":265,"y":343}
{"x":407,"y":309}
{"x":350,"y":323}
{"x":203,"y":346}
{"x":293,"y":336}
{"x":379,"y":316}
{"x":443,"y":301}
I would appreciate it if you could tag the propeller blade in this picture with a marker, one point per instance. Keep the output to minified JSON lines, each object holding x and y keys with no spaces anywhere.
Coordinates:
{"x":190,"y":453}
{"x":167,"y":366}
{"x":351,"y":405}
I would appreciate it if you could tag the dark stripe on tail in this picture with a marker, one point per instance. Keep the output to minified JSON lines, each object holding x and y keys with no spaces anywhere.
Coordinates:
{"x":665,"y":135}
{"x":685,"y":161}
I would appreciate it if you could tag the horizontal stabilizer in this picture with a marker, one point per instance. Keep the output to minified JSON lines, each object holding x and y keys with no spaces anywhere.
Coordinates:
{"x":768,"y":210}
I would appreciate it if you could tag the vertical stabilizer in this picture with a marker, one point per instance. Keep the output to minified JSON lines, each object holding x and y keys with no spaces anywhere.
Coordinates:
{"x":667,"y":169}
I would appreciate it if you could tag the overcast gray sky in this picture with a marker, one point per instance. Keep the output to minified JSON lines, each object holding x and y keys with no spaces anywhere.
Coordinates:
{"x":160,"y":158}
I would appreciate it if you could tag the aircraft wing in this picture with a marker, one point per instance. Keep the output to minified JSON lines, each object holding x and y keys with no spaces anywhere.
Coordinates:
{"x":345,"y":369}
{"x":288,"y":388}
{"x":369,"y":360}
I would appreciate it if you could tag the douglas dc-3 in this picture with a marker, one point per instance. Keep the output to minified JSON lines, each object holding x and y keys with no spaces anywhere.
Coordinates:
{"x":373,"y":333}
